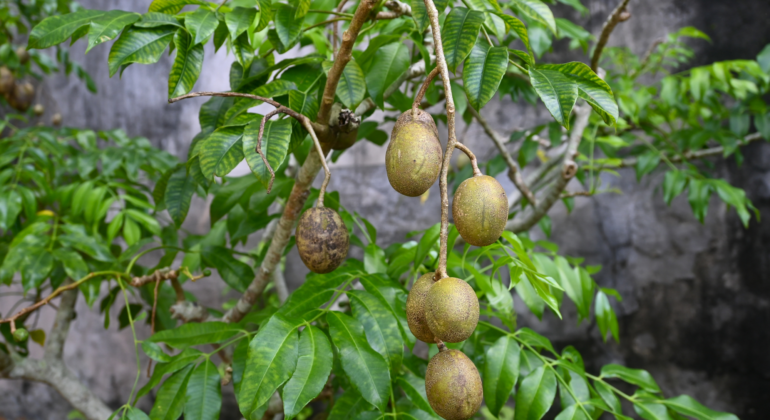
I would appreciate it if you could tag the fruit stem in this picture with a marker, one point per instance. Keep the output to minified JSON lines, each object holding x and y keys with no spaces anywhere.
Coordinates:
{"x":327,"y":174}
{"x":423,"y":89}
{"x":441,"y":64}
{"x":463,"y":148}
{"x":441,"y":345}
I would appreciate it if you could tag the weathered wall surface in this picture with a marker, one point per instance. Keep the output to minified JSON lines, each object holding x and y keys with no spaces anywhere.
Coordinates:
{"x":696,"y":297}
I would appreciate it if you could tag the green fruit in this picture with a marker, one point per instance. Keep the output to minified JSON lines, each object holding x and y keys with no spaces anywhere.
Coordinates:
{"x":415,"y":309}
{"x":453,"y":385}
{"x":413,"y":159}
{"x":322,"y":240}
{"x":480,"y":210}
{"x":20,"y":334}
{"x":207,"y":272}
{"x":452,"y":310}
{"x":6,"y":81}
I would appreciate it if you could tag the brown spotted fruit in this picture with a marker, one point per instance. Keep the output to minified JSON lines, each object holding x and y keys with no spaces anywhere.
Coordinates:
{"x":6,"y":81}
{"x":452,"y":310}
{"x":322,"y":239}
{"x":453,"y":385}
{"x":22,"y":97}
{"x":480,"y":210}
{"x":415,"y":309}
{"x":413,"y":158}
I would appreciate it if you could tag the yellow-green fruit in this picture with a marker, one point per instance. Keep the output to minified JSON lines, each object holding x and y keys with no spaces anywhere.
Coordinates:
{"x":56,"y":119}
{"x":6,"y":80}
{"x":480,"y":210}
{"x":39,"y":109}
{"x":415,"y":309}
{"x":322,"y":240}
{"x":23,"y":55}
{"x":413,"y":159}
{"x":452,"y":310}
{"x":453,"y":385}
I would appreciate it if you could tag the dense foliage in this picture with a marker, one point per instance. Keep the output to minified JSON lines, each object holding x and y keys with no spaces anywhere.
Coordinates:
{"x":78,"y":206}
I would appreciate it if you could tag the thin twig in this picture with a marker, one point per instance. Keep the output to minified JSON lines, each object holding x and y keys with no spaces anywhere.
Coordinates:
{"x":616,"y":17}
{"x":646,"y":59}
{"x":423,"y":89}
{"x":326,"y":22}
{"x":331,"y":12}
{"x":452,"y":138}
{"x":327,"y":174}
{"x":514,"y":173}
{"x":474,"y":163}
{"x":569,"y":169}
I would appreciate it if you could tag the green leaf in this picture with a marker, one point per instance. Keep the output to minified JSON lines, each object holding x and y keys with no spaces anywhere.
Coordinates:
{"x":178,"y":195}
{"x":592,"y":88}
{"x":388,"y":63}
{"x":177,"y":362}
{"x":698,"y":196}
{"x":201,"y":24}
{"x":349,"y":406}
{"x":170,"y":400}
{"x":535,"y":394}
{"x":236,"y":274}
{"x":139,"y":45}
{"x":558,"y":92}
{"x":314,"y":364}
{"x":108,"y":26}
{"x":688,"y":406}
{"x":501,"y":371}
{"x":572,"y":412}
{"x":521,"y":31}
{"x":221,"y":151}
{"x":10,"y":207}
{"x":239,"y":20}
{"x":288,"y":25}
{"x":606,"y":318}
{"x":73,"y":263}
{"x":537,"y":10}
{"x":204,"y":394}
{"x":414,"y":388}
{"x":483,"y":71}
{"x":134,"y":413}
{"x":187,"y":65}
{"x":275,"y":146}
{"x":367,"y":369}
{"x":352,"y":85}
{"x":155,"y":19}
{"x":461,"y":28}
{"x":609,"y":397}
{"x":35,"y":266}
{"x":380,"y":325}
{"x":427,"y":242}
{"x":317,"y":290}
{"x":633,"y":376}
{"x":54,"y":30}
{"x":172,"y":7}
{"x":193,"y":334}
{"x":272,"y":359}
{"x":651,"y":411}
{"x":154,"y":352}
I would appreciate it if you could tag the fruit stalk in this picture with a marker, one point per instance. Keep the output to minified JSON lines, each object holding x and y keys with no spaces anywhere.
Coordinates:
{"x":423,"y":89}
{"x":452,"y":138}
{"x":327,"y":174}
{"x":474,"y":163}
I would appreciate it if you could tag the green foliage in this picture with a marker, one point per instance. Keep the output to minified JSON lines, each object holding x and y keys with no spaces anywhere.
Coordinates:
{"x":74,"y":202}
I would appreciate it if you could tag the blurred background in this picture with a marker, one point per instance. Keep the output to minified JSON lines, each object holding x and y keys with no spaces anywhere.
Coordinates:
{"x":696,"y":297}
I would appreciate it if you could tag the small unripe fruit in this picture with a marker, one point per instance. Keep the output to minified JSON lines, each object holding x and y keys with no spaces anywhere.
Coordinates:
{"x":20,"y":334}
{"x":453,"y":385}
{"x":415,"y":308}
{"x":322,"y":239}
{"x":56,"y":119}
{"x":207,"y":272}
{"x":6,"y":80}
{"x":452,"y":310}
{"x":22,"y":97}
{"x":413,"y":158}
{"x":480,"y":210}
{"x":39,"y":109}
{"x":23,"y":55}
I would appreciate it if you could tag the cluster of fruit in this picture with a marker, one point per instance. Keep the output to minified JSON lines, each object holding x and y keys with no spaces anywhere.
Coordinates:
{"x":19,"y":94}
{"x":447,"y":309}
{"x":438,"y":310}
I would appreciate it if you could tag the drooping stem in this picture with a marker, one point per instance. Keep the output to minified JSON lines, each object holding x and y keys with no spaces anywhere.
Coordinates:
{"x":319,"y":149}
{"x":474,"y":163}
{"x":423,"y":89}
{"x":452,"y":138}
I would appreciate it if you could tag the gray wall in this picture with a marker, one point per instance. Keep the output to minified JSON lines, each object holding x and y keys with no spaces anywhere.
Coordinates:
{"x":695,"y":309}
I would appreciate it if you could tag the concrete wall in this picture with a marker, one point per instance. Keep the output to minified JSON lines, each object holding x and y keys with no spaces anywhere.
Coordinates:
{"x":696,"y":297}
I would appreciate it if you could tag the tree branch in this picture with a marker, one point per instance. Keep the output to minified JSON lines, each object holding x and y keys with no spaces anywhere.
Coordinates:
{"x":474,"y":163}
{"x":514,"y":173}
{"x":307,"y":172}
{"x":397,"y":9}
{"x":618,"y":15}
{"x":569,"y":169}
{"x":54,"y":343}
